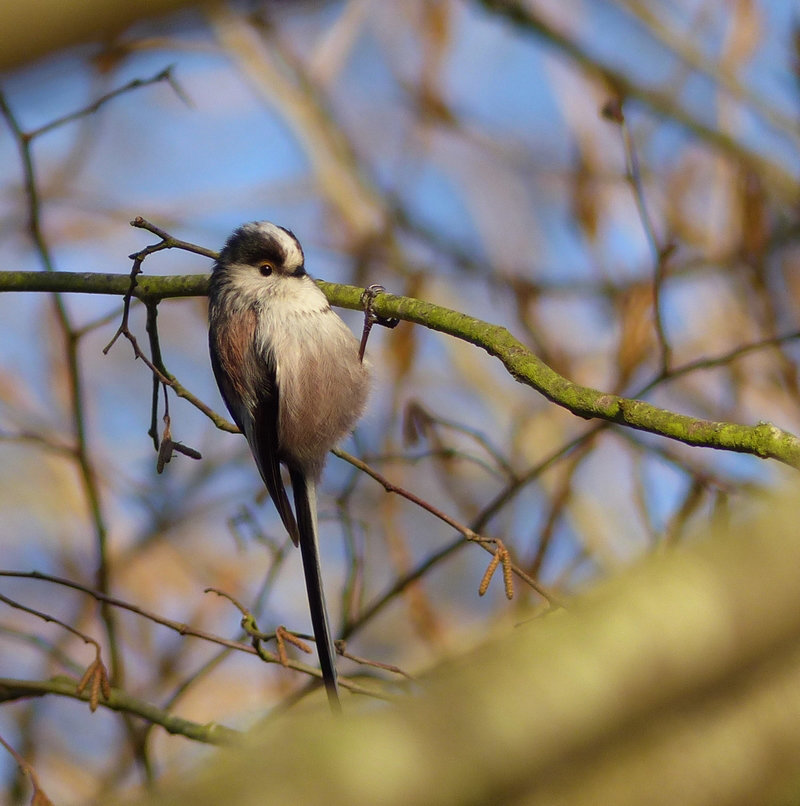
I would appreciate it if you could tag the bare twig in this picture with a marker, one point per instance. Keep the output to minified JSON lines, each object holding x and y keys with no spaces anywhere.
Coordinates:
{"x":96,"y":672}
{"x":164,"y":75}
{"x":341,"y":648}
{"x":613,"y":111}
{"x":417,"y":418}
{"x":487,"y":543}
{"x":100,"y":596}
{"x":168,"y":241}
{"x":177,"y":626}
{"x":39,"y":796}
{"x":282,"y":636}
{"x":167,"y":447}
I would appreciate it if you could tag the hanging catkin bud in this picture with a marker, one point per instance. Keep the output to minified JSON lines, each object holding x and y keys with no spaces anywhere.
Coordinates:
{"x":487,"y":577}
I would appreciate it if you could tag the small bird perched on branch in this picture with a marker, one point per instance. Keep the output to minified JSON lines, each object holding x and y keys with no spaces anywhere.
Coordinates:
{"x":292,"y":376}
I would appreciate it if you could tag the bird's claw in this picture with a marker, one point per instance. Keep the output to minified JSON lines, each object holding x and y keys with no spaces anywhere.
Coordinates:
{"x":370,"y":317}
{"x":367,"y":300}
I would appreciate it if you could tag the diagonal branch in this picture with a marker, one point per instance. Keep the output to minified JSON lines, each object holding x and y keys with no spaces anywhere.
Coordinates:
{"x":764,"y":440}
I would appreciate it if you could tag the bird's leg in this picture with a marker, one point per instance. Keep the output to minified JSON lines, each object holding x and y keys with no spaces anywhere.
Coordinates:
{"x":371,"y":318}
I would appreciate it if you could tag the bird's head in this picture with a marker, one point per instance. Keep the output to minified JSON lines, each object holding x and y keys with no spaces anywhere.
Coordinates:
{"x":257,"y":252}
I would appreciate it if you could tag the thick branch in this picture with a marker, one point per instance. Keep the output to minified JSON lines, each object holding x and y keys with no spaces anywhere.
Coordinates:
{"x":687,"y":665}
{"x":764,"y":439}
{"x":147,"y":287}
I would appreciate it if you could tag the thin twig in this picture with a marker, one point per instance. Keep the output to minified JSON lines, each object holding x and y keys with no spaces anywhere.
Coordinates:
{"x":95,"y":672}
{"x":163,"y":75}
{"x":487,"y":543}
{"x":341,"y":648}
{"x":39,"y":796}
{"x":100,"y":596}
{"x":713,"y":362}
{"x":168,"y":241}
{"x":416,"y":417}
{"x":177,"y":626}
{"x":614,"y":112}
{"x":87,"y":639}
{"x":156,"y":365}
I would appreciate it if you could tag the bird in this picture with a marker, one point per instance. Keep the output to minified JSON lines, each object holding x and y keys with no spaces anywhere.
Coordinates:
{"x":292,"y":377}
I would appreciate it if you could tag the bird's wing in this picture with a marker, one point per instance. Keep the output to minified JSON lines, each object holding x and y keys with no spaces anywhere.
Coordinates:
{"x":263,"y":439}
{"x":246,"y":380}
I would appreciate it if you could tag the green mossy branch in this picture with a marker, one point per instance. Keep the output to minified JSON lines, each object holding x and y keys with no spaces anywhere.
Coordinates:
{"x":764,"y":440}
{"x":148,"y":287}
{"x":211,"y":733}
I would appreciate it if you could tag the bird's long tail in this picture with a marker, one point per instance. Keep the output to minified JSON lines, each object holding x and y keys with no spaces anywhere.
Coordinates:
{"x":305,"y":502}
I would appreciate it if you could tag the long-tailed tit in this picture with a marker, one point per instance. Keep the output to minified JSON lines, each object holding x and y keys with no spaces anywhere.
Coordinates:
{"x":291,"y":376}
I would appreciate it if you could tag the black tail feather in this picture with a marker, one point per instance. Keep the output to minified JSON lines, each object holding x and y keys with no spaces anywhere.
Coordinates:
{"x":305,"y":502}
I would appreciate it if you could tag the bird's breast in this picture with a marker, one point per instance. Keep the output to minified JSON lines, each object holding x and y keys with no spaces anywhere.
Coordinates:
{"x":322,"y":384}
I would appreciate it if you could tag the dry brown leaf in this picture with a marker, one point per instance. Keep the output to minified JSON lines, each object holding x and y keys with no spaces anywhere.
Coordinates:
{"x":744,"y":34}
{"x":636,"y":336}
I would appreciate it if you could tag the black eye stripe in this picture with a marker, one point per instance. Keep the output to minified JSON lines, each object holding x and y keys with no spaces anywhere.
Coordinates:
{"x":299,"y":271}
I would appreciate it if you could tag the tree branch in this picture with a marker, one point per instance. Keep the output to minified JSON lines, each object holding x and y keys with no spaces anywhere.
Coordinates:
{"x":764,"y":440}
{"x":661,"y":103}
{"x":118,"y":700}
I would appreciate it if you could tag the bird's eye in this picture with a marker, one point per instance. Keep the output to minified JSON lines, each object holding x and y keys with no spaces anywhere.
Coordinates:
{"x":265,"y":269}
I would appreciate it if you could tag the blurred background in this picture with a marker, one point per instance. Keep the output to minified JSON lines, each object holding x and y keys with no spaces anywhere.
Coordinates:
{"x":452,"y":151}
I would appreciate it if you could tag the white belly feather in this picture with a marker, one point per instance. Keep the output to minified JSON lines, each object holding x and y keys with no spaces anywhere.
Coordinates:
{"x":322,"y":385}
